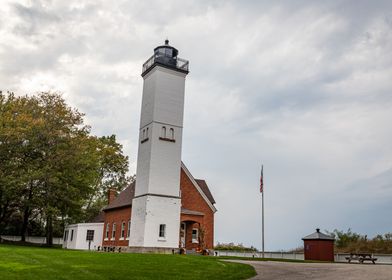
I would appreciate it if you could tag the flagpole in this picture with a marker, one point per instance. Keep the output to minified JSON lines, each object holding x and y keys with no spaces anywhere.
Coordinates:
{"x":262,"y":214}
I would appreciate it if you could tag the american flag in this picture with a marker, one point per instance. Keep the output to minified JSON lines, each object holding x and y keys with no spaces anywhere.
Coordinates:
{"x":261,"y":180}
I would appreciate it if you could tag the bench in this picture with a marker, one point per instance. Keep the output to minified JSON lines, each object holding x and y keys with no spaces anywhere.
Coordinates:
{"x":361,"y":257}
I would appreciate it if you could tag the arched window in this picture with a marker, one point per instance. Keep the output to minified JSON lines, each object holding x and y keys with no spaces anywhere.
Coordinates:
{"x":144,"y":134}
{"x":147,"y":132}
{"x":172,"y":133}
{"x":163,"y":132}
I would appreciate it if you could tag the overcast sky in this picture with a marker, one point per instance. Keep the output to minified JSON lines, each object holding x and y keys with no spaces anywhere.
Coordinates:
{"x":303,"y":87}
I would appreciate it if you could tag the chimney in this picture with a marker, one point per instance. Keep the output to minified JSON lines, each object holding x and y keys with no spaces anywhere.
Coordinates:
{"x":112,"y":194}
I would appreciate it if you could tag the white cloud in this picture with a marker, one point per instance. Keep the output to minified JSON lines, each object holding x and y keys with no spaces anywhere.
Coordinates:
{"x":303,"y":87}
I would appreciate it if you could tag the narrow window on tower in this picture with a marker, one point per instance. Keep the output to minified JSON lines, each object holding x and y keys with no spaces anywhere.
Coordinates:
{"x":144,"y":135}
{"x":162,"y":231}
{"x":71,"y":235}
{"x":171,"y":133}
{"x":167,"y":135}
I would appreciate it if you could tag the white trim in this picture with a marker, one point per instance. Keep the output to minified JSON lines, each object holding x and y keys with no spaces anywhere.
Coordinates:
{"x":198,"y":187}
{"x":106,"y":239}
{"x":197,"y":235}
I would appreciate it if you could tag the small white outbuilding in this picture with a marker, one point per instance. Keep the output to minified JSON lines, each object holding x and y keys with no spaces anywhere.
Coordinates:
{"x":85,"y":236}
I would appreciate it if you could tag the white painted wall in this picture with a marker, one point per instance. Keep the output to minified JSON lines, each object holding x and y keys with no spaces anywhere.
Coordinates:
{"x":145,"y":223}
{"x":157,"y":187}
{"x":80,"y":233}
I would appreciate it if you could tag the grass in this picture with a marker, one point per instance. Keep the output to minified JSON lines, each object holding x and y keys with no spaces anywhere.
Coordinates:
{"x":18,"y":262}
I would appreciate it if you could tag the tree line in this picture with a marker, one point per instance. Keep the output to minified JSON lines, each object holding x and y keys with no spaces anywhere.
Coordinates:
{"x":53,"y":171}
{"x":352,"y":242}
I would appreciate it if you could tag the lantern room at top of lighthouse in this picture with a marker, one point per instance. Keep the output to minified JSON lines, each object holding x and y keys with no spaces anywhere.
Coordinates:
{"x":166,"y":56}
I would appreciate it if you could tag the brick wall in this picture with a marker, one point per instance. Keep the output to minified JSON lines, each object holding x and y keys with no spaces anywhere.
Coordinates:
{"x":192,"y":200}
{"x":117,"y":216}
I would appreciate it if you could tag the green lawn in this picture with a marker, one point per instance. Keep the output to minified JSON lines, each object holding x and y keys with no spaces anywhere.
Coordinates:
{"x":18,"y":262}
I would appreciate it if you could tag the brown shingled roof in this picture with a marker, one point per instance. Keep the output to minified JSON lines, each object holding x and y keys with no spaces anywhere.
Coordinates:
{"x":123,"y":199}
{"x":206,"y":190}
{"x":100,"y":218}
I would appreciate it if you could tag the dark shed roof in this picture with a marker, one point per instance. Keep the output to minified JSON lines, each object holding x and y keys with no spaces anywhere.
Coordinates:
{"x":206,"y":190}
{"x":123,"y":199}
{"x":318,"y":236}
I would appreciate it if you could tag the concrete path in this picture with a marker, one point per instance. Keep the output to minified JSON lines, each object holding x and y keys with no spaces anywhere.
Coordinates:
{"x":320,"y":271}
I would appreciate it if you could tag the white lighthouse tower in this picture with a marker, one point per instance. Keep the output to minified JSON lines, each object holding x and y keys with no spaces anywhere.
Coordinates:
{"x":156,"y":207}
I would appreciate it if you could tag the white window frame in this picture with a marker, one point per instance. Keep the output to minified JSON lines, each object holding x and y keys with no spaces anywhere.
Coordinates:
{"x":195,"y":240}
{"x":113,"y":236}
{"x":162,"y":237}
{"x":107,"y":231}
{"x":129,"y":229}
{"x":122,"y":237}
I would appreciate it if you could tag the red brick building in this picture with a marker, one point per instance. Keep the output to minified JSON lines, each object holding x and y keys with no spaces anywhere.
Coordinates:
{"x":197,"y":215}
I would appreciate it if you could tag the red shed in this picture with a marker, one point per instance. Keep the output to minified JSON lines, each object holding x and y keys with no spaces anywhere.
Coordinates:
{"x":319,"y":247}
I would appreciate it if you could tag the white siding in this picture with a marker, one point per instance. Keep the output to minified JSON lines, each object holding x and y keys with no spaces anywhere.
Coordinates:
{"x":79,"y":238}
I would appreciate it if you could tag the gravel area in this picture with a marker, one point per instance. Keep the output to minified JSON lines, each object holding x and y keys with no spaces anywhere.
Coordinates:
{"x":322,"y":271}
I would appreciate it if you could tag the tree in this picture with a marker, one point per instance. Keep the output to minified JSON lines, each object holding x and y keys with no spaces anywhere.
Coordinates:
{"x":50,"y":165}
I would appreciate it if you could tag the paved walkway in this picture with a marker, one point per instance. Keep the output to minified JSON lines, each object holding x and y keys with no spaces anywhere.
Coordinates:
{"x":319,"y":271}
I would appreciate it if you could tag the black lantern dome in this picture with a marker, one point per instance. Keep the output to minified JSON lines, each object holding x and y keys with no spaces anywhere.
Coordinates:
{"x":166,"y":56}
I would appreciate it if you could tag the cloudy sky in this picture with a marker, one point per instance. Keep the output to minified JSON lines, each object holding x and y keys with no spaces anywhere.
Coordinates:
{"x":303,"y":87}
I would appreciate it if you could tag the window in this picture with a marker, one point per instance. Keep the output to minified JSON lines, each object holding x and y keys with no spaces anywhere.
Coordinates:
{"x":123,"y":230}
{"x":107,"y":231}
{"x":163,"y":132}
{"x":66,"y":235}
{"x":195,"y":235}
{"x":129,"y":229}
{"x":144,"y":135}
{"x":90,"y":235}
{"x":171,"y":133}
{"x":71,"y":235}
{"x":114,"y":231}
{"x":162,"y":229}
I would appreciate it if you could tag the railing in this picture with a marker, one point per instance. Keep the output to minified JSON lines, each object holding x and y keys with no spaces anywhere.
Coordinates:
{"x":177,"y":63}
{"x":341,"y":257}
{"x":32,"y":239}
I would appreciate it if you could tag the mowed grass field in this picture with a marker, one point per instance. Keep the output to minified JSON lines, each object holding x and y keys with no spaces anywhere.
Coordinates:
{"x":19,"y":262}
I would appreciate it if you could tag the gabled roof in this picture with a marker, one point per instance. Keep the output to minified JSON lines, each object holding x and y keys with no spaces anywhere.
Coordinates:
{"x":199,"y":189}
{"x":206,"y":190}
{"x":318,"y":236}
{"x":124,"y":199}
